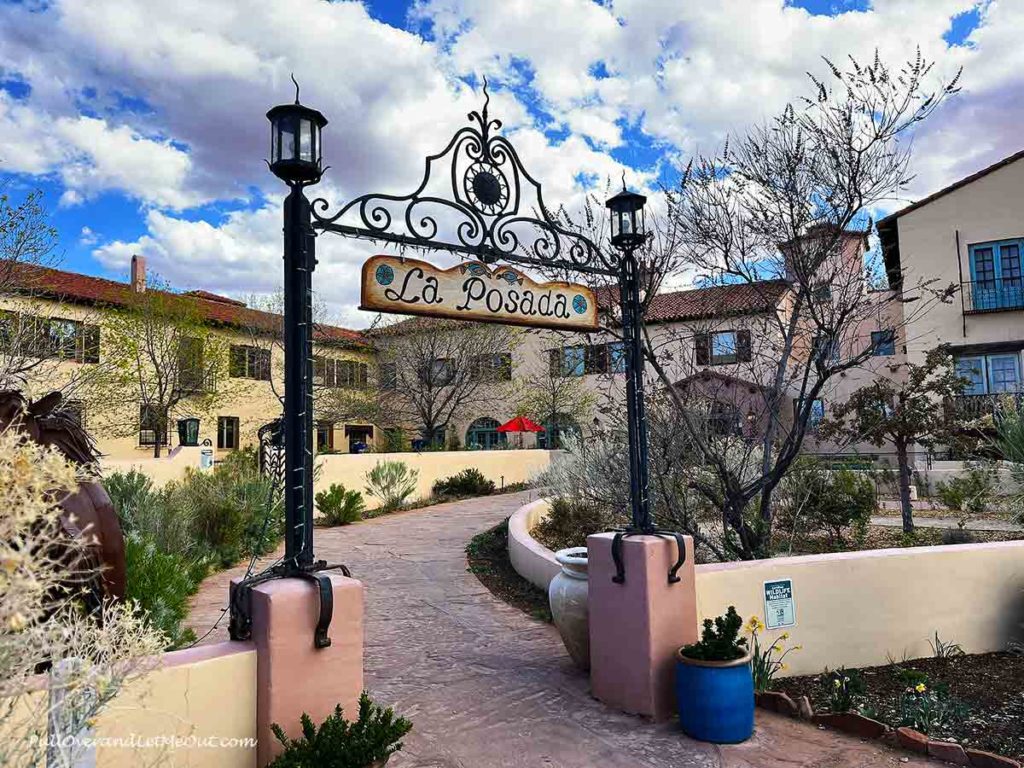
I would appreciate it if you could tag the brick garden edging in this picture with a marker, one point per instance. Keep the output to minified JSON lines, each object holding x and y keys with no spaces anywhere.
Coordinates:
{"x":858,"y":725}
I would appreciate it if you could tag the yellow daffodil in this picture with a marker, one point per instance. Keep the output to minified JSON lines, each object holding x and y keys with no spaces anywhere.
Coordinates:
{"x":920,"y":688}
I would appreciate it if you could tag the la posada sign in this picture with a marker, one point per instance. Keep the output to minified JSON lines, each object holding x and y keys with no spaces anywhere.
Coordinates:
{"x":475,"y":291}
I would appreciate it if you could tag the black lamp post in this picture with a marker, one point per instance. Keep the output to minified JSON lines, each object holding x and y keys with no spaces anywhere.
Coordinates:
{"x":628,"y":232}
{"x":295,"y":158}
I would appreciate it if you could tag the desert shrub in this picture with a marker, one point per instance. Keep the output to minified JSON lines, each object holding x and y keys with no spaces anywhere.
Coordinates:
{"x":569,"y":523}
{"x":719,"y":640}
{"x":339,"y":743}
{"x":148,"y":513}
{"x":815,"y":499}
{"x":129,"y":492}
{"x":468,"y":482}
{"x":234,"y":511}
{"x":162,"y":583}
{"x":43,"y":621}
{"x":970,"y":493}
{"x":339,"y":506}
{"x":392,"y":482}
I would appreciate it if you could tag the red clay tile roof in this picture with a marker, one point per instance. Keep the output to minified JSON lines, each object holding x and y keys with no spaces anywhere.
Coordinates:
{"x":705,"y":303}
{"x":75,"y":287}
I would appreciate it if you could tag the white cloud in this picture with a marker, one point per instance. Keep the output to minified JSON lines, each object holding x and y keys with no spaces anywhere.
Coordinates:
{"x":200,"y":74}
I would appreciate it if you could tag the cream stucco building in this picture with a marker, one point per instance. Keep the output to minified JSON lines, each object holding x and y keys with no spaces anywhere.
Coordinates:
{"x":55,"y":326}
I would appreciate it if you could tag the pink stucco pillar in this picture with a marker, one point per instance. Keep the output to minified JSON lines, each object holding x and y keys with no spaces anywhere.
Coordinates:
{"x":636,"y":627}
{"x":292,"y":675}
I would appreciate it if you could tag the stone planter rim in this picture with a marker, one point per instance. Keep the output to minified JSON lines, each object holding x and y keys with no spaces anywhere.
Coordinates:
{"x":745,"y":659}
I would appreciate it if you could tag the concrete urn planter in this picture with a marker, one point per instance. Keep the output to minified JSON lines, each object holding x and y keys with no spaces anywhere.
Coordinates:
{"x":567,"y":594}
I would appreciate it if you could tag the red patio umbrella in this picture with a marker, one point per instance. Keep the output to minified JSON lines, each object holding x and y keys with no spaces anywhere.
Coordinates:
{"x":520,"y":424}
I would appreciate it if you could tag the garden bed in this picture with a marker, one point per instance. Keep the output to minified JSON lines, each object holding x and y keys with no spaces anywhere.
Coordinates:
{"x":990,"y":687}
{"x":487,"y":556}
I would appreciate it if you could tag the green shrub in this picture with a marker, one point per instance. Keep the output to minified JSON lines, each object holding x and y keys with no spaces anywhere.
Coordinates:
{"x":392,"y":482}
{"x":468,"y":482}
{"x":339,"y":506}
{"x":970,"y":493}
{"x":145,"y":511}
{"x":842,"y":687}
{"x":824,"y":500}
{"x":161,"y":583}
{"x":232,"y":509}
{"x":568,"y":524}
{"x":720,"y":640}
{"x":958,"y":535}
{"x":339,"y":743}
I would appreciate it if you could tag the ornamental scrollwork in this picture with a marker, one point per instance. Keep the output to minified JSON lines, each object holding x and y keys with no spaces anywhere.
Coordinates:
{"x":475,"y":198}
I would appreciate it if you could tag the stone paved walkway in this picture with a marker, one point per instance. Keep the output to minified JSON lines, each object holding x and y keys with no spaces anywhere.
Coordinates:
{"x":488,"y":687}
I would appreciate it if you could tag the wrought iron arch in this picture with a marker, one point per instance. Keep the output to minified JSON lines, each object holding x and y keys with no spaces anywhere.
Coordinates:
{"x":485,"y":204}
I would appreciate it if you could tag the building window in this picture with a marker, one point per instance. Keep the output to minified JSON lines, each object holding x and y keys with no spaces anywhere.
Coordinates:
{"x":152,"y":426}
{"x":339,"y":374}
{"x":990,"y":374}
{"x":248,"y":362}
{"x":826,"y":349}
{"x":439,"y":373}
{"x":388,"y":376}
{"x":227,"y":433}
{"x":325,"y":436}
{"x":722,"y":347}
{"x":483,"y":433}
{"x":46,"y":337}
{"x":817,"y":414}
{"x":588,"y":359}
{"x":883,"y":343}
{"x":996,"y":275}
{"x":492,"y":367}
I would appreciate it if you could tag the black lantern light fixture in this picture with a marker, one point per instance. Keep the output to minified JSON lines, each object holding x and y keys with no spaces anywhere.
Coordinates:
{"x":628,"y":221}
{"x":295,"y":146}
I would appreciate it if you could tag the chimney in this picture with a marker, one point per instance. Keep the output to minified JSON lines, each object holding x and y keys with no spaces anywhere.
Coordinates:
{"x":139,"y":274}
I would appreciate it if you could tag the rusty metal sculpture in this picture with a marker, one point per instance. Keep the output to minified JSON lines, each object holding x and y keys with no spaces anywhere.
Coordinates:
{"x":88,"y":513}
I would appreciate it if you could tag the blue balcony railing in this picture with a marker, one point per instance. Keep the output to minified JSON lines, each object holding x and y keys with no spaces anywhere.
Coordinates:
{"x":996,"y":295}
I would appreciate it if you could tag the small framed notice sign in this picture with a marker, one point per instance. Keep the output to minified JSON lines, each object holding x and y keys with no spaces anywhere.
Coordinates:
{"x":779,"y":605}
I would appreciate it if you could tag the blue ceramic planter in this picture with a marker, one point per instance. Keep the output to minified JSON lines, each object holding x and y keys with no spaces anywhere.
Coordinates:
{"x":715,"y":699}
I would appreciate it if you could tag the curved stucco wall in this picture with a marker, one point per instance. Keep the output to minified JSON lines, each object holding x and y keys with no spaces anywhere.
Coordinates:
{"x":531,"y":559}
{"x":852,"y":608}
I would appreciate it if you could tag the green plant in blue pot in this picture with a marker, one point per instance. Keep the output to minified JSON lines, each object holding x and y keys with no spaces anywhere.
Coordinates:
{"x":715,"y":684}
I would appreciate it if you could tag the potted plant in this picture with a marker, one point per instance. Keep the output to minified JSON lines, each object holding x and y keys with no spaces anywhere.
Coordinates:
{"x":715,"y":684}
{"x":339,"y":743}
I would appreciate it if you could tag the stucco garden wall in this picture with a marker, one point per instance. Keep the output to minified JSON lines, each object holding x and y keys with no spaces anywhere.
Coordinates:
{"x":855,"y":608}
{"x":203,"y":697}
{"x":503,"y":467}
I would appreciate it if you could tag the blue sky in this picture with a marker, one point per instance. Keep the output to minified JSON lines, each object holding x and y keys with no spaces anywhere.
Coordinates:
{"x":157,"y":148}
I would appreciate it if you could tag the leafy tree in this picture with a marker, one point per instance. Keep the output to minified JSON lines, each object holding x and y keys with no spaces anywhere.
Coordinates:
{"x":908,"y":409}
{"x":160,"y":348}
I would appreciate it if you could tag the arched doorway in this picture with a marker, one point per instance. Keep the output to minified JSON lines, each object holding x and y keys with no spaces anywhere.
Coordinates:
{"x":483,"y":434}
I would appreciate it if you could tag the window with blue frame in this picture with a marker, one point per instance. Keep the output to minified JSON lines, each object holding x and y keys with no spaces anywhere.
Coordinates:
{"x":997,"y":281}
{"x":883,"y":343}
{"x":990,"y":374}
